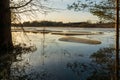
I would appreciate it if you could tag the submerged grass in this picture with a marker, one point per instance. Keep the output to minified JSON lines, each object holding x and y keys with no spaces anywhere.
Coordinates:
{"x":79,"y":40}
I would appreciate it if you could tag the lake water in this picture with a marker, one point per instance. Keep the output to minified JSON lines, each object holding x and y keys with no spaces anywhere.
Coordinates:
{"x":59,"y":60}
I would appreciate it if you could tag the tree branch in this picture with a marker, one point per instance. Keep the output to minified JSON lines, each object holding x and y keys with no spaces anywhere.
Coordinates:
{"x":25,"y":11}
{"x":21,"y":5}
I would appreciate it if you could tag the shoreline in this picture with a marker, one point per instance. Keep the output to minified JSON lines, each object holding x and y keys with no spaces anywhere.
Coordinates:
{"x":62,"y":27}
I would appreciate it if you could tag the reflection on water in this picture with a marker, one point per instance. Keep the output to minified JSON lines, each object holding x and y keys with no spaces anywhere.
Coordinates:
{"x":7,"y":58}
{"x":101,"y":66}
{"x":56,"y":60}
{"x":105,"y":59}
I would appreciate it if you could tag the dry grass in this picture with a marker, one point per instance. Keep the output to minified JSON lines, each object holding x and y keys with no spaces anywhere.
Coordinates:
{"x":72,"y":33}
{"x":76,"y":33}
{"x":79,"y":40}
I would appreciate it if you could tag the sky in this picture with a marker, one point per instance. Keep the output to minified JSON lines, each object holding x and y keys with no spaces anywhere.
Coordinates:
{"x":63,"y":14}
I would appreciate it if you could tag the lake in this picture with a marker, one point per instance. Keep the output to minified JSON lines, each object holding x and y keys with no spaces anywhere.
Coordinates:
{"x":59,"y":60}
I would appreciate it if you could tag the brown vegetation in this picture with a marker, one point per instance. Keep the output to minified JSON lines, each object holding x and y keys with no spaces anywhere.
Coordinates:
{"x":79,"y":40}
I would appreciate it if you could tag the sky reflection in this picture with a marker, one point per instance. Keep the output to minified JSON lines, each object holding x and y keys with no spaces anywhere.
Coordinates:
{"x":60,"y":60}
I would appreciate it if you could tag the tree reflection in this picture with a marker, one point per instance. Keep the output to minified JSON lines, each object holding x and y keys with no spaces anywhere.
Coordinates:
{"x":12,"y":66}
{"x":104,"y":58}
{"x":41,"y":75}
{"x":7,"y":57}
{"x":101,"y":66}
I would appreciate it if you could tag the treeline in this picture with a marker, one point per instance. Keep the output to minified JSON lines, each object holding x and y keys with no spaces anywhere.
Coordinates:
{"x":43,"y":23}
{"x":39,"y":23}
{"x":61,"y":24}
{"x":48,"y":23}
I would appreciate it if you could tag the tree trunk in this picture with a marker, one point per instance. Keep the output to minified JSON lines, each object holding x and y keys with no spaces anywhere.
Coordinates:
{"x":5,"y":25}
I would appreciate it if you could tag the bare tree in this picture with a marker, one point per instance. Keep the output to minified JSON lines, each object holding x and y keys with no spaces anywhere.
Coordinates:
{"x":16,"y":8}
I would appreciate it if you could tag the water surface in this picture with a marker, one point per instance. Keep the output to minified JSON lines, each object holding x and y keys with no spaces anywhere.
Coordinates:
{"x":57,"y":60}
